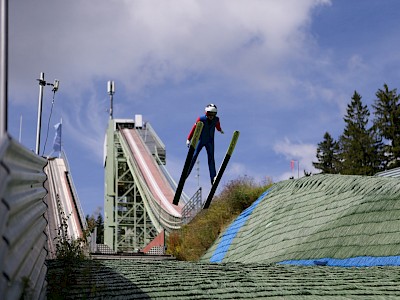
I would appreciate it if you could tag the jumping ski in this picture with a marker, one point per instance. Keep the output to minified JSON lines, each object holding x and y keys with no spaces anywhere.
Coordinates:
{"x":222,"y":169}
{"x":192,"y":147}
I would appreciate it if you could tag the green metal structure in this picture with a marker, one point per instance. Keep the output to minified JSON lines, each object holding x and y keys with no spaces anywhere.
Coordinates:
{"x":132,"y":217}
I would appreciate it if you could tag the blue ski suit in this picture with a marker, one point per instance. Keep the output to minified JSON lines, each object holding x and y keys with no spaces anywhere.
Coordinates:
{"x":206,"y":140}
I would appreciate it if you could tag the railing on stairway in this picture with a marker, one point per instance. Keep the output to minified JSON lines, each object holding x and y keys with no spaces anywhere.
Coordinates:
{"x":192,"y":207}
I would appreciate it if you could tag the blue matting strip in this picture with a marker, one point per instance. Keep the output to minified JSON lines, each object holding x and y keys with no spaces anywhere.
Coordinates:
{"x":359,"y":261}
{"x":230,"y":233}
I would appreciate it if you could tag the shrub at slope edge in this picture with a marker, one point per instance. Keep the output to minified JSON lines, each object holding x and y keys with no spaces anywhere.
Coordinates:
{"x":193,"y":240}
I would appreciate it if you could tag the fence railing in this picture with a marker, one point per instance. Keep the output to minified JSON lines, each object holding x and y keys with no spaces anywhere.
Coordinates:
{"x":192,"y":207}
{"x":22,"y":222}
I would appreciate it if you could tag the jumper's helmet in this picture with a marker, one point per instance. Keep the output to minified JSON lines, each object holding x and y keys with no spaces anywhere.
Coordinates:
{"x":211,"y":110}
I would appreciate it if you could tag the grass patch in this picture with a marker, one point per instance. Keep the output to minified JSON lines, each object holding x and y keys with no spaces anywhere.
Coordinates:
{"x":192,"y":240}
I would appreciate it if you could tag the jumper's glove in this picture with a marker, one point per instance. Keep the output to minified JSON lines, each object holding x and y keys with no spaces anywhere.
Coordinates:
{"x":188,"y":143}
{"x":222,"y":132}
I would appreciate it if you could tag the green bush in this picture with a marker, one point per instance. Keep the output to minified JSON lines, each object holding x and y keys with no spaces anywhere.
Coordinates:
{"x":70,"y":253}
{"x":193,"y":240}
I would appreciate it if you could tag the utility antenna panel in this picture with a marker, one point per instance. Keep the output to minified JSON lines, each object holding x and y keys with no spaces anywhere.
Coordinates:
{"x":111,"y":91}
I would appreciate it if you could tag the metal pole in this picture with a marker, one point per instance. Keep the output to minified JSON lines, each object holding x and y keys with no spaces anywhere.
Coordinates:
{"x":42,"y":83}
{"x":298,"y":169}
{"x":20,"y":129}
{"x":111,"y":106}
{"x":198,"y":172}
{"x":4,"y":66}
{"x":61,"y":140}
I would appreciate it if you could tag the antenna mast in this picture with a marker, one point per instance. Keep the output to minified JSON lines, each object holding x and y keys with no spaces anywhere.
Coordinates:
{"x":111,"y":91}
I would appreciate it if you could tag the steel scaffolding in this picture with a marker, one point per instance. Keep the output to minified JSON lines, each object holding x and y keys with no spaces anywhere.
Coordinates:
{"x":128,"y":226}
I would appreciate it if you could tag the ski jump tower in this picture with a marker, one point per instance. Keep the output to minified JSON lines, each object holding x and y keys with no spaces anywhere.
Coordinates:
{"x":139,"y":191}
{"x":138,"y":207}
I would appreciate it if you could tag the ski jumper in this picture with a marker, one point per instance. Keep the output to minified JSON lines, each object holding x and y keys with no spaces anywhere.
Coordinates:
{"x":206,"y":140}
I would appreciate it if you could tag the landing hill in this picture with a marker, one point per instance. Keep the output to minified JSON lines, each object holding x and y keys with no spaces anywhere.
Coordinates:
{"x":337,"y":220}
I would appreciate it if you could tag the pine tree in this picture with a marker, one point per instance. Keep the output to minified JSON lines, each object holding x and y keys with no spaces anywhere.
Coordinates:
{"x":100,"y":229}
{"x":358,"y":144}
{"x":387,"y":123}
{"x":327,"y":155}
{"x":98,"y":222}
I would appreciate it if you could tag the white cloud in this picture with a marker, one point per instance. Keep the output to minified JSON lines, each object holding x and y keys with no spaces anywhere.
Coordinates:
{"x":356,"y":63}
{"x":236,"y":169}
{"x":144,"y":42}
{"x":86,"y":123}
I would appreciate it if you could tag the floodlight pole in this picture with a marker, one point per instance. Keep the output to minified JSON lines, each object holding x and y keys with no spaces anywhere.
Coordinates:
{"x":42,"y":83}
{"x":4,"y":66}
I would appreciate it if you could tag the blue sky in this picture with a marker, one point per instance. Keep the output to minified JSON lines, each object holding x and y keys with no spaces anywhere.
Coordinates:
{"x":281,"y":72}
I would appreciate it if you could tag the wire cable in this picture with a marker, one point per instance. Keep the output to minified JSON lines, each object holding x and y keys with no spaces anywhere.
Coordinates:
{"x":48,"y":123}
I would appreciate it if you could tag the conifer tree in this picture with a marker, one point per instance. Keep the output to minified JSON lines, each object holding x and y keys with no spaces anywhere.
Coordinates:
{"x":327,"y":155}
{"x":387,"y":124}
{"x":358,"y":144}
{"x":100,"y":229}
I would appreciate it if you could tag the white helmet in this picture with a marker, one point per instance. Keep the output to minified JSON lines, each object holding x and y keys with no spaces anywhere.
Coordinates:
{"x":211,"y":109}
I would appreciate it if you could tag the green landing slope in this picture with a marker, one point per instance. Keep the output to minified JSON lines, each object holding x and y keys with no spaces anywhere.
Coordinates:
{"x":321,"y":216}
